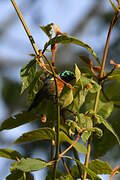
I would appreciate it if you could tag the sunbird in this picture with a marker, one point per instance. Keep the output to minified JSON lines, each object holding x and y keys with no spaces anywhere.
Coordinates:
{"x":48,"y":89}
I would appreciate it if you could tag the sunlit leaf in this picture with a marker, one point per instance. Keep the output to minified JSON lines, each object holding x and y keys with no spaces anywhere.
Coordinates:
{"x":27,"y":74}
{"x":66,"y":97}
{"x":35,"y":135}
{"x":77,"y":73}
{"x":89,"y":171}
{"x":47,"y":29}
{"x":100,"y":167}
{"x":10,"y":154}
{"x":70,"y":39}
{"x":18,"y":120}
{"x":78,"y":146}
{"x":28,"y":165}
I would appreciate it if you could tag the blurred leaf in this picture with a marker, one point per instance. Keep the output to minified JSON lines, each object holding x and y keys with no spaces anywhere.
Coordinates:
{"x":100,"y":167}
{"x":28,"y":165}
{"x":86,"y":59}
{"x":18,"y":120}
{"x":109,"y":127}
{"x":100,"y":120}
{"x":27,"y":74}
{"x":69,"y":39}
{"x":67,"y":177}
{"x":47,"y":30}
{"x":11,"y":94}
{"x":50,"y":174}
{"x":89,"y":171}
{"x":115,"y":75}
{"x":47,"y":107}
{"x":10,"y":154}
{"x":108,"y":141}
{"x":78,"y":146}
{"x":75,"y":172}
{"x":104,"y":109}
{"x":35,"y":135}
{"x":19,"y":175}
{"x":112,"y":91}
{"x":77,"y":73}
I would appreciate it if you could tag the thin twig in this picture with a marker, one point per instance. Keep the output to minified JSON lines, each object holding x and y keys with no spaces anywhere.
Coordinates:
{"x":65,"y":165}
{"x":114,"y":172}
{"x":69,"y":147}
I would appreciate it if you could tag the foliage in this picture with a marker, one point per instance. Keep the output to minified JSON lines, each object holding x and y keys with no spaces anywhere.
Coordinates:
{"x":74,"y":111}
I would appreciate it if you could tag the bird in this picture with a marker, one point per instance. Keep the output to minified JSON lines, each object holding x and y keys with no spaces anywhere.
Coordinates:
{"x":48,"y":89}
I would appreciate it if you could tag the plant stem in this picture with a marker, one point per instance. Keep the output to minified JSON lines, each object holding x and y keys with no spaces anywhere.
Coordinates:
{"x":115,"y":17}
{"x":58,"y":119}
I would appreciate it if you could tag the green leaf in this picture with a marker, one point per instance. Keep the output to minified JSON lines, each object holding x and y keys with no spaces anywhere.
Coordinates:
{"x":89,"y":171}
{"x":27,"y":74}
{"x":115,"y":75}
{"x":104,"y":109}
{"x":114,"y":6}
{"x":78,"y":146}
{"x":77,"y":73}
{"x":101,"y":120}
{"x":84,"y":121}
{"x":112,"y":91}
{"x":108,"y":141}
{"x":85,"y":136}
{"x":35,"y":86}
{"x":100,"y":167}
{"x":75,"y":172}
{"x":66,"y":97}
{"x":35,"y":135}
{"x":19,"y":175}
{"x":10,"y":154}
{"x":47,"y":29}
{"x":109,"y":127}
{"x":70,"y":39}
{"x":28,"y":165}
{"x":18,"y":120}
